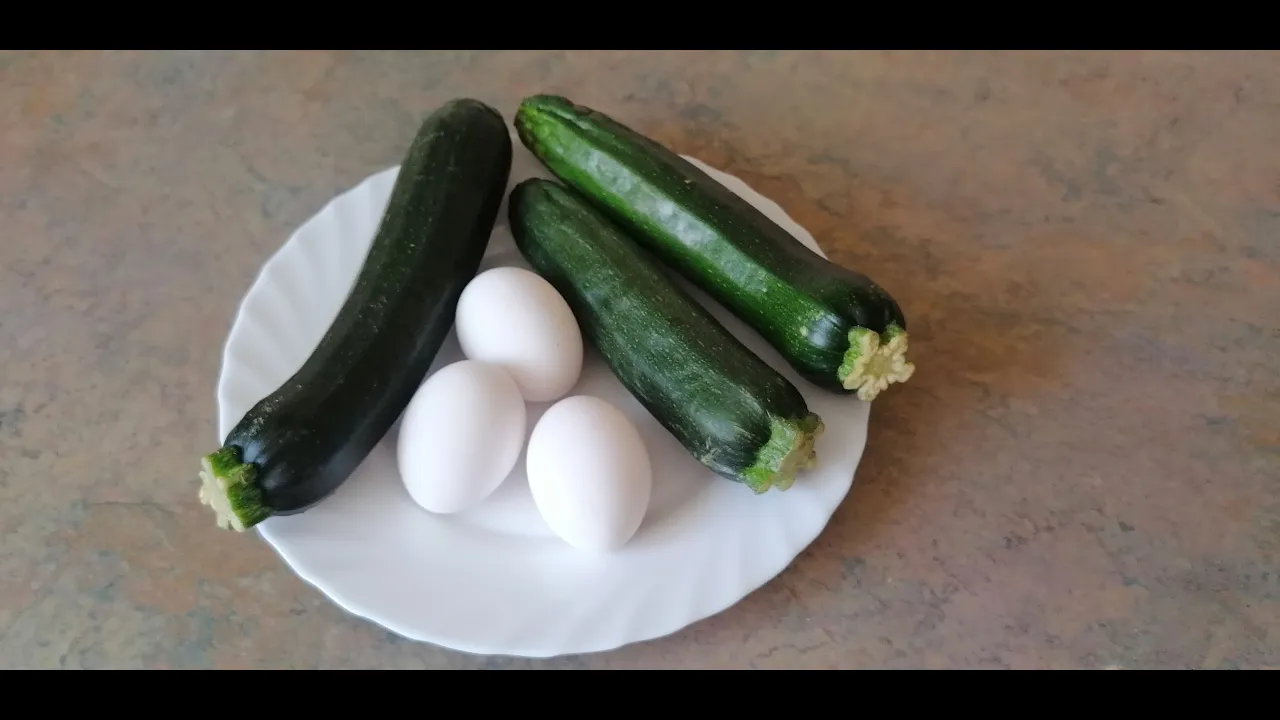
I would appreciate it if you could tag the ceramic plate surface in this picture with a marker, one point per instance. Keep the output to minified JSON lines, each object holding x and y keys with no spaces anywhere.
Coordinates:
{"x":495,"y":580}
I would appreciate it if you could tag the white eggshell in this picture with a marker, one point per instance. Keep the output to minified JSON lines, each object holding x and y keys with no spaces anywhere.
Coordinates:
{"x":589,"y":473}
{"x":515,"y":319}
{"x":460,"y":436}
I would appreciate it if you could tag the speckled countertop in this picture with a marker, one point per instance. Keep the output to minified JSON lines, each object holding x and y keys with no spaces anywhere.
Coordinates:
{"x":1084,"y":472}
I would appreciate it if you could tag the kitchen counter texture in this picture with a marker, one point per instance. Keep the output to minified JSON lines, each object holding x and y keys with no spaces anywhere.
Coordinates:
{"x":1083,"y":473}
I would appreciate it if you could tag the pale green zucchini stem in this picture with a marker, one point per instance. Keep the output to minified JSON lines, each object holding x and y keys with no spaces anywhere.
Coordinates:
{"x":789,"y":450}
{"x":874,"y":361}
{"x":227,"y":485}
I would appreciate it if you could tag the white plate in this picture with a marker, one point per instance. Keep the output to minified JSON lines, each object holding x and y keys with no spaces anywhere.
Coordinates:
{"x":495,"y":580}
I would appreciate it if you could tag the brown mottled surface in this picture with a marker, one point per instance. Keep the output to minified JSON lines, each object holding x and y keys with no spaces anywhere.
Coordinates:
{"x":1084,"y":472}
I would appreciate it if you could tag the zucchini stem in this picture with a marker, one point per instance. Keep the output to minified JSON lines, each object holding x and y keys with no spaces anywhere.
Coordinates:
{"x":790,"y":449}
{"x":874,"y":361}
{"x":227,"y":485}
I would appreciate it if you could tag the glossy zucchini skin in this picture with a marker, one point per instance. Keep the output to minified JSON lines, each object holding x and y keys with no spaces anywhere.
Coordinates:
{"x":300,"y":443}
{"x":726,"y":406}
{"x":836,"y":327}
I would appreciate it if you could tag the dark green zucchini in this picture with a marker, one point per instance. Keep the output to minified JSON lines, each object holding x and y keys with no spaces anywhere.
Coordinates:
{"x":300,"y":443}
{"x":724,"y":404}
{"x":836,"y":327}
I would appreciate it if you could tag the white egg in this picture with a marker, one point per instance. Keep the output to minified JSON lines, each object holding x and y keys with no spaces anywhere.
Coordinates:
{"x":515,"y":319}
{"x":589,"y":473}
{"x":460,"y":436}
